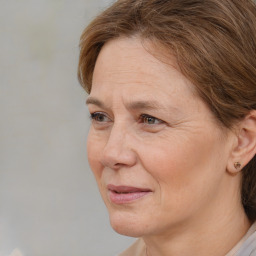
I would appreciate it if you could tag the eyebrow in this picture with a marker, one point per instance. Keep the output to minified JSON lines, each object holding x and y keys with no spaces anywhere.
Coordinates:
{"x":145,"y":105}
{"x":94,"y":101}
{"x":141,"y":104}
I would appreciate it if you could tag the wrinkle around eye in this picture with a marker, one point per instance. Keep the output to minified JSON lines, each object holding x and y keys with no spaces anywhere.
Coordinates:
{"x":153,"y":128}
{"x":100,"y":120}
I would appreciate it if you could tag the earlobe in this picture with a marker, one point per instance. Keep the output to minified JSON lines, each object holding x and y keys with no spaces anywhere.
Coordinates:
{"x":245,"y":147}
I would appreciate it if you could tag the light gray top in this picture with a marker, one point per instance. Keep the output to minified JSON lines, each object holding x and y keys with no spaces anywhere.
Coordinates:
{"x":247,"y":245}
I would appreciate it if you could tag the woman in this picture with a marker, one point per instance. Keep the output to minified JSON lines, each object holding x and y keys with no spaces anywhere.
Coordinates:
{"x":172,"y":144}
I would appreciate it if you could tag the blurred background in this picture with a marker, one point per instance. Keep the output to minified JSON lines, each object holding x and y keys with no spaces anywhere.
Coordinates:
{"x":49,"y":202}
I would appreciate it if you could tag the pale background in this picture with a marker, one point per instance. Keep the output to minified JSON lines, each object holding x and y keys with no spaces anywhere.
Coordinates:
{"x":49,"y":203}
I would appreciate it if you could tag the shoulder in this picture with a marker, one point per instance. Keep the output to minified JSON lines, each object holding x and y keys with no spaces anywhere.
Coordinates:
{"x":248,"y":248}
{"x":136,"y":249}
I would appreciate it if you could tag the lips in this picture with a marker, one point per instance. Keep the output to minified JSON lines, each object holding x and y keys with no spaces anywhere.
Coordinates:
{"x":126,"y":194}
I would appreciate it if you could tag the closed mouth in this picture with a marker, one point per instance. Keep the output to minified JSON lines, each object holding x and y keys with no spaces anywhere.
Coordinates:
{"x":125,"y":194}
{"x":126,"y":189}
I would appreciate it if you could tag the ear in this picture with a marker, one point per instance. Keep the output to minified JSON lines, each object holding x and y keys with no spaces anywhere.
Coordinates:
{"x":245,"y":146}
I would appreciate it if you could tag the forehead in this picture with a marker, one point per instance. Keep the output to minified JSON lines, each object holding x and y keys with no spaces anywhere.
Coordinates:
{"x":129,"y":61}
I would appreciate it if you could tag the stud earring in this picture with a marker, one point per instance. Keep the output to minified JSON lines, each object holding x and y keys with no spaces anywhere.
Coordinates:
{"x":237,"y":165}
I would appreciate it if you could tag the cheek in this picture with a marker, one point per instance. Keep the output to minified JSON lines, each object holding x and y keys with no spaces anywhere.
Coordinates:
{"x":181,"y":165}
{"x":167,"y":158}
{"x":169,"y":166}
{"x":94,"y":149}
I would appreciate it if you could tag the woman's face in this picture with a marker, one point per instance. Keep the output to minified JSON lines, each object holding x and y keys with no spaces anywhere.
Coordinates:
{"x":157,"y":154}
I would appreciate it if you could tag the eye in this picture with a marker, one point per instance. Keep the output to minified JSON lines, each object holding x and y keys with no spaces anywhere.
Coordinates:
{"x":149,"y":120}
{"x":100,"y":117}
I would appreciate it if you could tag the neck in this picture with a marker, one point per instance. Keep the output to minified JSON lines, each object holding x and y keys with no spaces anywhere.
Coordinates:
{"x":206,"y":234}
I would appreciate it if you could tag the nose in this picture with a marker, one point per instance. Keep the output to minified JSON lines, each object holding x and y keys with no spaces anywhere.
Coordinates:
{"x":118,"y":151}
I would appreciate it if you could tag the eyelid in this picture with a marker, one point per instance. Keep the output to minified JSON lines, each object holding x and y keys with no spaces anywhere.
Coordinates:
{"x":96,"y":114}
{"x":159,"y":121}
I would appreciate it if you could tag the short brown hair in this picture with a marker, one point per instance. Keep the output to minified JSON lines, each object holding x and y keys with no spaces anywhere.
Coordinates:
{"x":214,"y":42}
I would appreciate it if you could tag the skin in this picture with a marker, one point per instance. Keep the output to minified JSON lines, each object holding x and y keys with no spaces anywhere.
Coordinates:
{"x":151,"y":130}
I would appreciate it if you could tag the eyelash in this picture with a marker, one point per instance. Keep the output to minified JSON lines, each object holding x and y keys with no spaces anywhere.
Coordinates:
{"x":96,"y":115}
{"x":142,"y":118}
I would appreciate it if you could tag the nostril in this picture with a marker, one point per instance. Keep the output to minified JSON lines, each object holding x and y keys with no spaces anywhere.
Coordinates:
{"x":111,"y":160}
{"x":118,"y":157}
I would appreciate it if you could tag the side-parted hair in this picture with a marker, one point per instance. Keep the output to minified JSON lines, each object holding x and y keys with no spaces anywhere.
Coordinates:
{"x":214,"y":43}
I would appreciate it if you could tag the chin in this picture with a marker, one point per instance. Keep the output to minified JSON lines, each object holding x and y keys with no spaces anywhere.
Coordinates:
{"x":127,"y":225}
